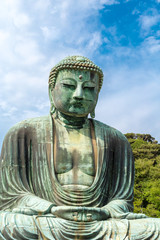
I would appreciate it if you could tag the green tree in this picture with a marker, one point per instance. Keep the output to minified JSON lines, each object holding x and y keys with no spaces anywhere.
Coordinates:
{"x":146,"y":151}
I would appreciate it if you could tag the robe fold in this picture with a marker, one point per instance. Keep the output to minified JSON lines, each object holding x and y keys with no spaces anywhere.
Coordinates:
{"x":29,"y":184}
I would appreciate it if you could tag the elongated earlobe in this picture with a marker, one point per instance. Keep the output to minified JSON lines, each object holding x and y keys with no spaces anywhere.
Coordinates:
{"x":52,"y":108}
{"x":92,"y":114}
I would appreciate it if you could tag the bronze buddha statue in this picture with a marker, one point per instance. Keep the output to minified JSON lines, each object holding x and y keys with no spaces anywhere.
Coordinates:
{"x":67,"y":176}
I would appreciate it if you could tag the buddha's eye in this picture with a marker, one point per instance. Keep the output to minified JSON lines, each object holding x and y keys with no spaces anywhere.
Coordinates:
{"x":89,"y":86}
{"x":69,"y":86}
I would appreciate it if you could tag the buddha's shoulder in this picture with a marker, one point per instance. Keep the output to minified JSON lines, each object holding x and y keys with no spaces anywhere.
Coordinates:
{"x":30,"y":123}
{"x":109,"y":131}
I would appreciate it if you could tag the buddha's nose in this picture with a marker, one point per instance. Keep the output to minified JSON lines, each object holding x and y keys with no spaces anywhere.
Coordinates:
{"x":78,"y":94}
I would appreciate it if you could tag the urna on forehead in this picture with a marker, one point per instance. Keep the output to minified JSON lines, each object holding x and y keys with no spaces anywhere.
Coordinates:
{"x":75,"y":63}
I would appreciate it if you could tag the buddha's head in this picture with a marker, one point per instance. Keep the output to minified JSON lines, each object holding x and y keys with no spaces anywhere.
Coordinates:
{"x":74,"y":85}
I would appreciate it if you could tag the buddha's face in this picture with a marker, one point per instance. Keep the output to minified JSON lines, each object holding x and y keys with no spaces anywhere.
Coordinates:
{"x":76,"y":92}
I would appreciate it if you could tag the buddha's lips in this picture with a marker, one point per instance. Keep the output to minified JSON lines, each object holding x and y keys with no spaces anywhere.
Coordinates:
{"x":80,"y":103}
{"x":77,"y":104}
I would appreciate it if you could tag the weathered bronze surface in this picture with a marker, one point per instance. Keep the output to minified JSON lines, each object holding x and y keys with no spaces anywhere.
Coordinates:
{"x":67,"y":176}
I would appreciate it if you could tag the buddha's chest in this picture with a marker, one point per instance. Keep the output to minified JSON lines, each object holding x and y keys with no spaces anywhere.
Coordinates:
{"x":73,"y":157}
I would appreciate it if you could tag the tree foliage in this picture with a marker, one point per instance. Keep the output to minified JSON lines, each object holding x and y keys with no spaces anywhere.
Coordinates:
{"x":146,"y":151}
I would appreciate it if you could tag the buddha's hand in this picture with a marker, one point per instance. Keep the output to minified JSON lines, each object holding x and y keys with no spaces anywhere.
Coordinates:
{"x":80,"y":214}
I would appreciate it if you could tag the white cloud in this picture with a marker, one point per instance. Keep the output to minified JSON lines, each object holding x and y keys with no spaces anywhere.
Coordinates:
{"x":147,"y":21}
{"x":152,"y":45}
{"x":11,"y":111}
{"x":68,"y":11}
{"x":11,"y":13}
{"x":50,"y":33}
{"x":12,"y":3}
{"x":18,"y":45}
{"x":42,"y":5}
{"x":27,"y":50}
{"x":21,"y":20}
{"x":158,"y":33}
{"x":95,"y":41}
{"x":3,"y":104}
{"x":3,"y":37}
{"x":109,"y":2}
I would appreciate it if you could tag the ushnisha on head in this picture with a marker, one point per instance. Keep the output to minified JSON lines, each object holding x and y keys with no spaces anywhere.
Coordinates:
{"x":74,"y":85}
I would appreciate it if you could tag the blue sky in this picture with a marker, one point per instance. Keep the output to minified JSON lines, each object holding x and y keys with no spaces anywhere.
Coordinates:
{"x":122,"y":37}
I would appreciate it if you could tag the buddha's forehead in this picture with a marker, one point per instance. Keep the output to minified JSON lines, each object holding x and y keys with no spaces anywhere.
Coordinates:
{"x":78,"y":75}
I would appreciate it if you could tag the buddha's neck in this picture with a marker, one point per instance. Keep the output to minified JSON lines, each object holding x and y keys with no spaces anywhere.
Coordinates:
{"x":70,"y":121}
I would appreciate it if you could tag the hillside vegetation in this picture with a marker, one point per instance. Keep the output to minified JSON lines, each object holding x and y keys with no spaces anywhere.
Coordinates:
{"x":146,"y":151}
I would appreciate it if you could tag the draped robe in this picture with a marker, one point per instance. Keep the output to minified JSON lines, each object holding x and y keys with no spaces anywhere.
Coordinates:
{"x":28,"y":181}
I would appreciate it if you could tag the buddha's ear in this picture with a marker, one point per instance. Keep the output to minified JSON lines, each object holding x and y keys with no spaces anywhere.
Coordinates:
{"x":50,"y":94}
{"x":92,"y":114}
{"x":52,"y":108}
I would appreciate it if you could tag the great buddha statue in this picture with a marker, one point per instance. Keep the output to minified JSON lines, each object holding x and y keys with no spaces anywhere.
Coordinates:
{"x":66,"y":176}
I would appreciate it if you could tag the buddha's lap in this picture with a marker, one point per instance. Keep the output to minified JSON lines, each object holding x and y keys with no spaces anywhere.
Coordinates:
{"x":11,"y":221}
{"x":30,"y":226}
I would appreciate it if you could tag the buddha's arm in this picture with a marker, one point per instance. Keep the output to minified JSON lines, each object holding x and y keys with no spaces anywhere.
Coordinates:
{"x":32,"y":205}
{"x":16,"y":194}
{"x":18,"y":199}
{"x":120,"y":204}
{"x":119,"y":209}
{"x":121,"y":177}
